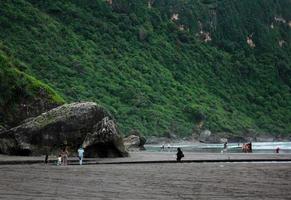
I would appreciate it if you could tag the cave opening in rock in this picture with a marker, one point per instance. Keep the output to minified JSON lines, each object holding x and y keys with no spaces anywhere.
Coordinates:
{"x":102,"y":150}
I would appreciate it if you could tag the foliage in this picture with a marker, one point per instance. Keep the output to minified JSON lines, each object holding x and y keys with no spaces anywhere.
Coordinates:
{"x":21,"y":95}
{"x":154,"y":73}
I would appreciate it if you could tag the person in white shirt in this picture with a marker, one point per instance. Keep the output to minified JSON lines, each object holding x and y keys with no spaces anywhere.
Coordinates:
{"x":59,"y":160}
{"x":81,"y":155}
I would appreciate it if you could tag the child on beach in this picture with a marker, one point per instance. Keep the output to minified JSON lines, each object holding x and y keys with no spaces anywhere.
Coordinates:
{"x":59,"y":162}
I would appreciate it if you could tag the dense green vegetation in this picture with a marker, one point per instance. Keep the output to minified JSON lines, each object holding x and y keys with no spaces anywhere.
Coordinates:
{"x":153,"y":69}
{"x":22,"y":96}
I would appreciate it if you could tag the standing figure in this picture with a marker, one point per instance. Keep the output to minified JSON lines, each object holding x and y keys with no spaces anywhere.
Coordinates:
{"x":250,"y":147}
{"x":81,"y":155}
{"x":59,"y":159}
{"x":46,"y":159}
{"x":162,"y":147}
{"x":65,"y":156}
{"x":180,"y":154}
{"x":225,"y":146}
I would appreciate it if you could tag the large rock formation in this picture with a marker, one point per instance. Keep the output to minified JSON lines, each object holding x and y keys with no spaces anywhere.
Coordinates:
{"x":134,"y":142}
{"x":71,"y":125}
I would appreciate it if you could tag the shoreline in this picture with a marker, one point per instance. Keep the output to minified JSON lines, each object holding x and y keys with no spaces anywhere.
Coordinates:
{"x":157,"y":157}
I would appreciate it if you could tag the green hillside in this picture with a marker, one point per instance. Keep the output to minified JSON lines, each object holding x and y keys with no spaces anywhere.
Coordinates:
{"x":162,"y":66}
{"x":22,"y":96}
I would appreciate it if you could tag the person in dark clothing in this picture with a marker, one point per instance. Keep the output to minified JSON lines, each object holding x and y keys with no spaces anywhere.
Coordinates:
{"x":250,"y":147}
{"x":180,"y":154}
{"x":46,"y":159}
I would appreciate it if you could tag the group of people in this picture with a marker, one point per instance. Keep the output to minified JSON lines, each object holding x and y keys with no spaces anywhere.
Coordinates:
{"x":63,"y":156}
{"x":163,"y":148}
{"x":247,"y":148}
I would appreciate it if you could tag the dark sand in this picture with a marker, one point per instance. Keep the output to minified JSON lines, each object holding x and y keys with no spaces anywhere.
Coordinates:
{"x":147,"y":181}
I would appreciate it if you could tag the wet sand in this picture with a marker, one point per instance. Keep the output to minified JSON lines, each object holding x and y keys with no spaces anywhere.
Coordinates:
{"x":156,"y":157}
{"x":147,"y":181}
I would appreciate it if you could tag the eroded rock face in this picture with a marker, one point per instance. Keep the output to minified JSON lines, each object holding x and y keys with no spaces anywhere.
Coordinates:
{"x":135,"y":141}
{"x":70,"y":124}
{"x":104,"y":140}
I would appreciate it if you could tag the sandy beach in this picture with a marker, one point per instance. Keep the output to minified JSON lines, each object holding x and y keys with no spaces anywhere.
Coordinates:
{"x":258,"y":180}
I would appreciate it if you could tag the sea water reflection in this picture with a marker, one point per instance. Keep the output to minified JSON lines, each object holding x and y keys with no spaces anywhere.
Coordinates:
{"x":258,"y":147}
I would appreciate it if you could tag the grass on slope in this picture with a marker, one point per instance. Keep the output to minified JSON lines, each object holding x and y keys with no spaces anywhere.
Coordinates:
{"x":151,"y":75}
{"x":21,"y":95}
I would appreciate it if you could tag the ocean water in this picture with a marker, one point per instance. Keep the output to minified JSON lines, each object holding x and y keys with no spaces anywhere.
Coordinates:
{"x":258,"y":147}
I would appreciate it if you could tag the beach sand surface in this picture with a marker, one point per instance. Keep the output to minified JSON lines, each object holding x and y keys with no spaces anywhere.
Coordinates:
{"x":266,"y":180}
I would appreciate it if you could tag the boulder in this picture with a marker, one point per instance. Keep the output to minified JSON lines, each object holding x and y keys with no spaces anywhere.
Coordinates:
{"x":70,"y":125}
{"x":207,"y":137}
{"x":131,"y":141}
{"x":134,"y":142}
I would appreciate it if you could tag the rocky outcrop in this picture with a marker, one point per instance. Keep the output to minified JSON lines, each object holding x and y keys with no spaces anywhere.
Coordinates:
{"x":207,"y":137}
{"x":71,"y":125}
{"x":104,"y":140}
{"x":134,"y":142}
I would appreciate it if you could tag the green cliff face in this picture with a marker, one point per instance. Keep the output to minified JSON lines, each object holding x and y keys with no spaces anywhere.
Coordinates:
{"x":161,"y":65}
{"x":22,"y":96}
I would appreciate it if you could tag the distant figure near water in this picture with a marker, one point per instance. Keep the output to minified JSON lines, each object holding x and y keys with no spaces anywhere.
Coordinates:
{"x":224,"y":147}
{"x":162,"y":147}
{"x":180,"y":154}
{"x":278,"y":150}
{"x":247,"y":148}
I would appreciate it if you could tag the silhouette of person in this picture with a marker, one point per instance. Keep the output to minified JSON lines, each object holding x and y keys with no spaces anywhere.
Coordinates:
{"x":278,"y":150}
{"x":46,"y":159}
{"x":180,"y":154}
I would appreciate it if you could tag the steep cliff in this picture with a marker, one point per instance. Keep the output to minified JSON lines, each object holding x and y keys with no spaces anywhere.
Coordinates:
{"x":162,"y":66}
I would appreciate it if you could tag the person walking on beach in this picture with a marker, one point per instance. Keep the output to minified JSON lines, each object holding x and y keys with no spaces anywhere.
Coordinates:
{"x":81,"y":155}
{"x":46,"y":159}
{"x":224,"y":147}
{"x":180,"y":154}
